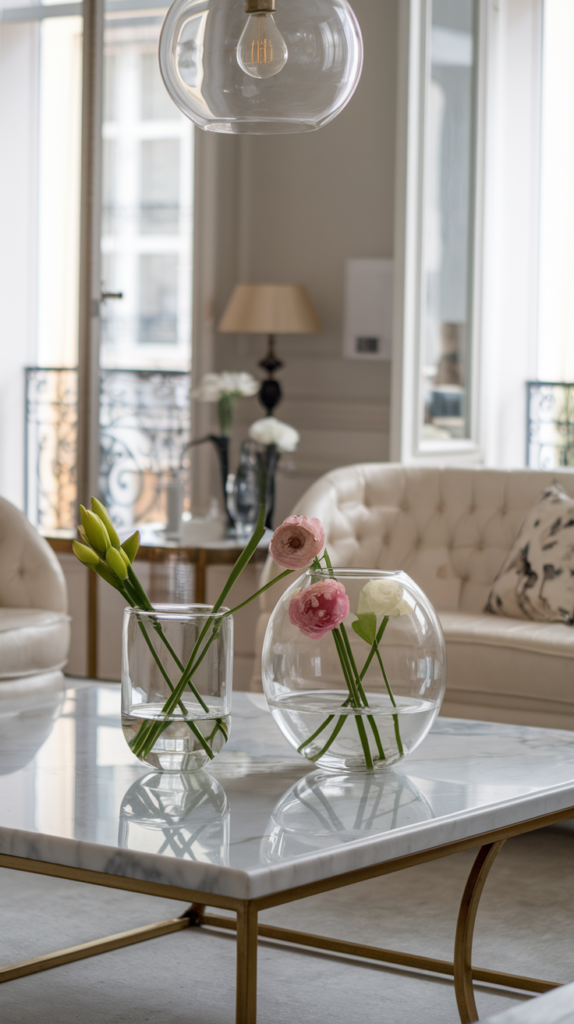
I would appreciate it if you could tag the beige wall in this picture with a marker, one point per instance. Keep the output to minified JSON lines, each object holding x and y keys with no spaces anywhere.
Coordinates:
{"x":292,"y":209}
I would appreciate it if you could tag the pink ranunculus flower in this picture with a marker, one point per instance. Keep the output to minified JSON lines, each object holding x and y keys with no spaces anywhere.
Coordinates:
{"x":319,"y":608}
{"x":297,"y":542}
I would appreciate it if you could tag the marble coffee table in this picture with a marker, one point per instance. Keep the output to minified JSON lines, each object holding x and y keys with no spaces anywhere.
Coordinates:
{"x":553,"y":1008}
{"x":263,"y":828}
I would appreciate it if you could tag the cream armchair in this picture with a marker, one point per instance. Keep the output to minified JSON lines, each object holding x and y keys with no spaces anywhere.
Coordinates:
{"x":34,"y":624}
{"x":451,"y":530}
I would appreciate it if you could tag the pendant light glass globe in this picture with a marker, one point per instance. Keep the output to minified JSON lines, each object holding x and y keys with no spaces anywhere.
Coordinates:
{"x":260,"y":67}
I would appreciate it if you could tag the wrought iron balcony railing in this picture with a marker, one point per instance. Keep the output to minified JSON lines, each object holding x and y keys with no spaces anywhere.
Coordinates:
{"x":144,"y":428}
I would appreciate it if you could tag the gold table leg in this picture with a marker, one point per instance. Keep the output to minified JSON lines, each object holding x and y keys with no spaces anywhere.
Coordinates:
{"x":67,"y":956}
{"x":246,"y":1006}
{"x":465,"y":930}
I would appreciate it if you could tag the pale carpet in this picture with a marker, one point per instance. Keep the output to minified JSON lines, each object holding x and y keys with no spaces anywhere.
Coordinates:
{"x":525,"y":925}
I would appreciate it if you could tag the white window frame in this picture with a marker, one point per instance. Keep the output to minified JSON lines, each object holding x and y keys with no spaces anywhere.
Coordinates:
{"x":409,"y":319}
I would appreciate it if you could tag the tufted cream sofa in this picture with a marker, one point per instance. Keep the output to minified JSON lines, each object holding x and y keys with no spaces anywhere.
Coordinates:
{"x":34,"y":624}
{"x":451,"y":530}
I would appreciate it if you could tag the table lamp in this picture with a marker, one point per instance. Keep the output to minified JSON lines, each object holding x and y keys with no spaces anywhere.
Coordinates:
{"x":269,"y":309}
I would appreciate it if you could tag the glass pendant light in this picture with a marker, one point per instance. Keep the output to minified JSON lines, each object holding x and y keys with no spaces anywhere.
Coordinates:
{"x":260,"y":67}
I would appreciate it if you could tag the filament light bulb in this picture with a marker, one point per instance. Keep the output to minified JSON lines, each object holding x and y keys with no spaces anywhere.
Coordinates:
{"x":261,"y":50}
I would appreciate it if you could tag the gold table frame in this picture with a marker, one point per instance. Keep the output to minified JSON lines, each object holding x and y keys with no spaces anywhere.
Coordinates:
{"x":249,"y":930}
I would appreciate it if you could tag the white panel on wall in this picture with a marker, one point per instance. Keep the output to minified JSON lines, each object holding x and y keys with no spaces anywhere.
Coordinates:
{"x":368,"y":319}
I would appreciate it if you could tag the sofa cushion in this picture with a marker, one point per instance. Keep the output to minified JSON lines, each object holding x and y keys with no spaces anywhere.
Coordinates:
{"x":32,"y":641}
{"x":536,"y":580}
{"x":509,"y":659}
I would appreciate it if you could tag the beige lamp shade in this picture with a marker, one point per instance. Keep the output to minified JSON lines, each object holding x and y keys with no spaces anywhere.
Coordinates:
{"x":269,"y":309}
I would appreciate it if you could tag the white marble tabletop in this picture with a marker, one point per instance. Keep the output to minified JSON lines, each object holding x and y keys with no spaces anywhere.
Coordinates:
{"x":555,"y":1007}
{"x":262,"y":820}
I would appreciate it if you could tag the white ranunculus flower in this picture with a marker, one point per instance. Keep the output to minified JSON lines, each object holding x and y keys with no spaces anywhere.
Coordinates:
{"x":272,"y":431}
{"x":214,"y":385}
{"x":383,"y":597}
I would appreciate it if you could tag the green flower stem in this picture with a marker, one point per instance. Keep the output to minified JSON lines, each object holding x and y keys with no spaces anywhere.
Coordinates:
{"x":320,"y":730}
{"x":225,"y":412}
{"x":370,"y":719}
{"x":359,"y":684}
{"x":142,"y":601}
{"x":374,"y":646}
{"x":232,"y":611}
{"x":394,"y":703}
{"x":258,"y":593}
{"x":359,"y":691}
{"x":147,"y":727}
{"x":133,"y":597}
{"x":353,"y":697}
{"x":340,"y":644}
{"x":145,"y":602}
{"x":314,"y":735}
{"x":364,"y":741}
{"x":192,"y":726}
{"x":332,"y":737}
{"x":193,"y":664}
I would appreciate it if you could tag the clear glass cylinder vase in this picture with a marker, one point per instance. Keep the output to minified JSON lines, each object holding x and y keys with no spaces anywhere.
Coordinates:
{"x":354,"y":667}
{"x":177,"y":664}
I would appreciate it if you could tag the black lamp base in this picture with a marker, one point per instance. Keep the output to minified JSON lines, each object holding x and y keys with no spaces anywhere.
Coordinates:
{"x":270,"y":390}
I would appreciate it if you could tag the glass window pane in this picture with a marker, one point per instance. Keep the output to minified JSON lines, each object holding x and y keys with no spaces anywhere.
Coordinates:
{"x":147,"y":185}
{"x":160,"y":186}
{"x":156,"y":104}
{"x":158,"y":300}
{"x":448,"y":221}
{"x":146,"y":246}
{"x":40,"y":132}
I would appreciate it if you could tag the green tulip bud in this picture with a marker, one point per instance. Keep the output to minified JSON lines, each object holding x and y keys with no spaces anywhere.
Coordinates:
{"x":103,"y":514}
{"x":85,"y":554}
{"x":83,"y":536}
{"x":95,"y":530}
{"x":116,"y":563}
{"x":125,"y":557}
{"x":131,"y":545}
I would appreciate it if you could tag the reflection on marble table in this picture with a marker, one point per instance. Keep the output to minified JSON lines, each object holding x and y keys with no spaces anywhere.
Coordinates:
{"x":262,"y":819}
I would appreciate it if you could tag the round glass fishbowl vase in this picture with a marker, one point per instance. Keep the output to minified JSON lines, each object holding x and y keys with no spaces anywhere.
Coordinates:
{"x":354,"y":667}
{"x":240,"y":66}
{"x":177,"y":664}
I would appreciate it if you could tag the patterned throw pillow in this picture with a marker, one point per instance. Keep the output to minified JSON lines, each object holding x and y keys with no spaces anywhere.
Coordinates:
{"x":537,"y":579}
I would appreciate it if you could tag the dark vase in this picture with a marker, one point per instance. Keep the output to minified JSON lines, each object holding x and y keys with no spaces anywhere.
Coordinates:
{"x":222,"y":448}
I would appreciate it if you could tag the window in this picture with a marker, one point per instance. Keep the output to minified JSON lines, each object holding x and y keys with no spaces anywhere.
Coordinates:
{"x":144,"y":255}
{"x":146,"y":204}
